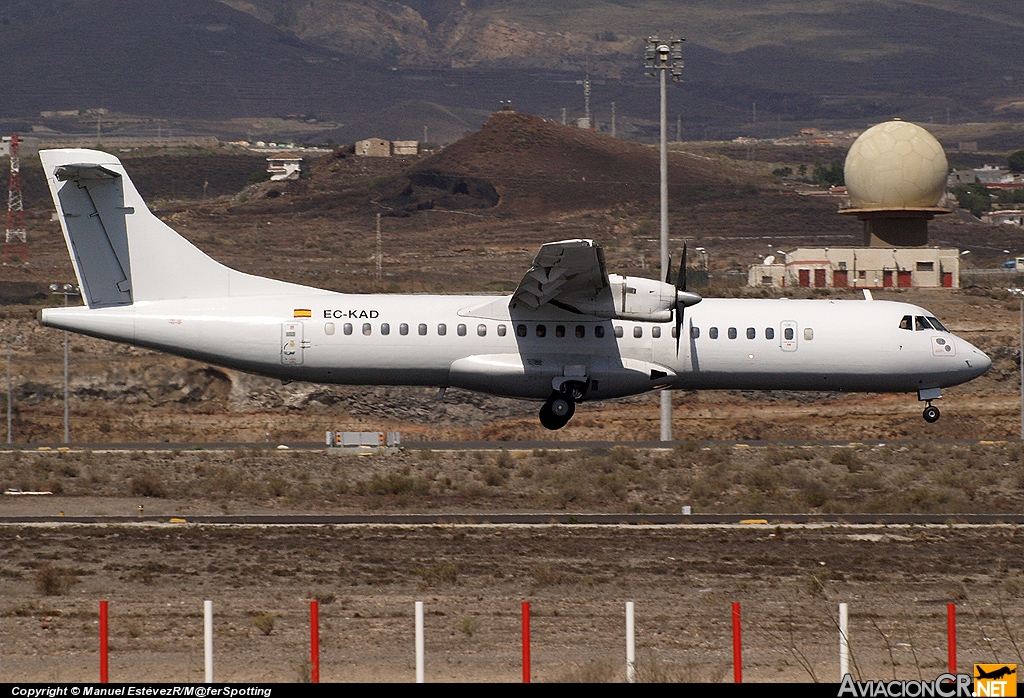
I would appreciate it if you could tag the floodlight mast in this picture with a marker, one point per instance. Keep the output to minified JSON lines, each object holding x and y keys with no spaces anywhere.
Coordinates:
{"x":665,"y":56}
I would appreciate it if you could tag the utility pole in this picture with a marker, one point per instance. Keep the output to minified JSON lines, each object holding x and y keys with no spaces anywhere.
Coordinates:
{"x":379,"y":252}
{"x":65,"y":290}
{"x":586,"y":101}
{"x":664,"y":57}
{"x":1019,"y":292}
{"x":10,"y":393}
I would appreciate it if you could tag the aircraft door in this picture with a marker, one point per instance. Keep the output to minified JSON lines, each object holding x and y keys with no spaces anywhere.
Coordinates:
{"x":788,"y":335}
{"x":291,"y":344}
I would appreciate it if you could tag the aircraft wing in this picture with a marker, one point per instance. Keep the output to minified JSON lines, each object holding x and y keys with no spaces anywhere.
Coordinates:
{"x":569,"y":275}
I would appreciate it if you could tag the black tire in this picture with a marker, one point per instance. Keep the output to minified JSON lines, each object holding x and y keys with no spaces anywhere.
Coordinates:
{"x":557,"y":412}
{"x":561,"y":406}
{"x":931,"y":414}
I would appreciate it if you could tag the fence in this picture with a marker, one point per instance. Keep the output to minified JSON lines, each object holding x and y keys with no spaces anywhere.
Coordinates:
{"x":842,"y":626}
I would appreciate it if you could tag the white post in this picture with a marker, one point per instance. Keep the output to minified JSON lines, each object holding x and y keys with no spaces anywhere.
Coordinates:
{"x":664,"y":396}
{"x":420,"y":678}
{"x":844,"y":641}
{"x":630,"y":644}
{"x":208,"y":637}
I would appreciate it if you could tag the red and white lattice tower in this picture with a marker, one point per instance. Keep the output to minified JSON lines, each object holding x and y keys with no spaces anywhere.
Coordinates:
{"x":16,"y":242}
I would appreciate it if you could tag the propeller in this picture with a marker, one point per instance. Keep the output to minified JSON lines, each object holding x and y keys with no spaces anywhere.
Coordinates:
{"x":684,"y":298}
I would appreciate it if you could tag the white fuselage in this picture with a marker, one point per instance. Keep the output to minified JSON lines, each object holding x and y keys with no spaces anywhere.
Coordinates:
{"x":472,"y":342}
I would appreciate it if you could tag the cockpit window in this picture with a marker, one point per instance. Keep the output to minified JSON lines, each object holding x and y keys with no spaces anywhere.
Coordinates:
{"x":920,"y":323}
{"x":907,"y":323}
{"x":937,"y":325}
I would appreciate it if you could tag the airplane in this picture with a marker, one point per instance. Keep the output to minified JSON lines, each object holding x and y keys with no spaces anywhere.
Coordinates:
{"x":570,"y":332}
{"x":995,"y":673}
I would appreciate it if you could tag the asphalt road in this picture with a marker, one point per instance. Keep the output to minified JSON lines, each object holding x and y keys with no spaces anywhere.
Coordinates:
{"x":541,"y":519}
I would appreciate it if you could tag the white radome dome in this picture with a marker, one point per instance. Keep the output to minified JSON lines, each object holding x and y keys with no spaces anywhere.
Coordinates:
{"x":896,"y":165}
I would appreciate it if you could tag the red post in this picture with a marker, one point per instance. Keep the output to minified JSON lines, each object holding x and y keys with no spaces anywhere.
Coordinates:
{"x":526,"y":642}
{"x":103,"y":642}
{"x":951,"y":635}
{"x":737,"y":645}
{"x":314,"y":641}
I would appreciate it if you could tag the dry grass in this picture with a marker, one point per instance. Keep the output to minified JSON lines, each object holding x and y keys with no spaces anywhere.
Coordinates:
{"x":901,"y":478}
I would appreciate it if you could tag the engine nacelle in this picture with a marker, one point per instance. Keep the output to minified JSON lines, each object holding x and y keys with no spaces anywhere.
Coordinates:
{"x":646,"y":300}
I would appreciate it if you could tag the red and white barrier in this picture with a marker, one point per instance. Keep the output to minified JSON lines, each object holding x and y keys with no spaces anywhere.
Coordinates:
{"x":420,"y":670}
{"x":314,"y":641}
{"x":104,"y":646}
{"x":737,"y":645}
{"x":526,"y":642}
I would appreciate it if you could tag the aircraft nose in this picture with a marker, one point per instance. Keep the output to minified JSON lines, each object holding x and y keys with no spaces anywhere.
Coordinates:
{"x":980,"y":361}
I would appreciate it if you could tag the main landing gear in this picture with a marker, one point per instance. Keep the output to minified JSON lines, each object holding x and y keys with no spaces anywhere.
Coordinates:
{"x":561,"y":406}
{"x":931,"y":413}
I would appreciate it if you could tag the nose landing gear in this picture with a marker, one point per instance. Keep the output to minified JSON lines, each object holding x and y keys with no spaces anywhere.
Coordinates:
{"x":926,"y":395}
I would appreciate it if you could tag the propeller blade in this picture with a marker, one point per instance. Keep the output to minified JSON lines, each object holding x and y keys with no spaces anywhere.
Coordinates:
{"x":668,"y":271}
{"x":680,"y":308}
{"x":681,"y":279}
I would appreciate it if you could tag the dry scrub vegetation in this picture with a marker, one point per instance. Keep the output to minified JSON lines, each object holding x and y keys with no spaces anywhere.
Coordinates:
{"x":909,"y":477}
{"x":473,"y":578}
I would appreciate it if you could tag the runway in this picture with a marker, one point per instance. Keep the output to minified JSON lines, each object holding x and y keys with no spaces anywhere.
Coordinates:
{"x":561,"y":518}
{"x":468,"y":445}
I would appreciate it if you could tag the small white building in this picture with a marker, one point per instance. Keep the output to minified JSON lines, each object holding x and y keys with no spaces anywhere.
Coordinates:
{"x":374,"y":148}
{"x":1006,"y":216}
{"x":405,"y":147}
{"x":861,"y":267}
{"x":284,"y":166}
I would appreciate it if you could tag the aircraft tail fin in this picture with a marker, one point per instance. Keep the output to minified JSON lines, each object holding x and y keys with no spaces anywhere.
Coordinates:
{"x":121,"y":252}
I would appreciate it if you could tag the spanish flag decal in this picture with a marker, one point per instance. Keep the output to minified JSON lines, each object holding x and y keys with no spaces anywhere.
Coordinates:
{"x":303,"y":312}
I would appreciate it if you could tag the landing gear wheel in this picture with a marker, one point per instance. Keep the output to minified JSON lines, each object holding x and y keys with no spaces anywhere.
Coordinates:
{"x":557,"y":412}
{"x":931,"y":414}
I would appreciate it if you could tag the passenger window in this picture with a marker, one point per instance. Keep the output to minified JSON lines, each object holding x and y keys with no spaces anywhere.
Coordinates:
{"x":385,"y":328}
{"x":789,"y":334}
{"x":461,"y":330}
{"x":329,"y":328}
{"x":599,"y":331}
{"x":656,"y":332}
{"x":675,"y":332}
{"x":422,"y":329}
{"x":559,"y":331}
{"x":713,"y":333}
{"x":542,"y":330}
{"x":751,"y":333}
{"x":638,"y":332}
{"x":808,"y":333}
{"x":732,"y":333}
{"x":367,"y":330}
{"x":618,"y":331}
{"x":501,"y":330}
{"x":481,"y":330}
{"x":695,"y":332}
{"x":921,"y":324}
{"x":907,"y":323}
{"x":442,"y":330}
{"x":769,"y":333}
{"x":520,"y":330}
{"x":347,"y":328}
{"x":581,"y":331}
{"x":403,"y":329}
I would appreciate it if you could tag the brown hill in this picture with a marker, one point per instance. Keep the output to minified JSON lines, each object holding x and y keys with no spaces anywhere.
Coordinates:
{"x":520,"y":164}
